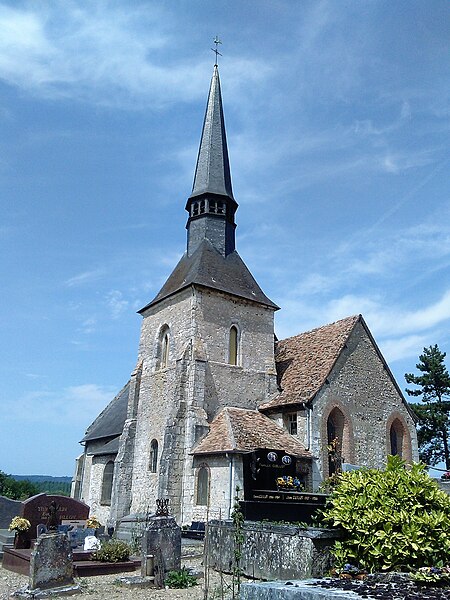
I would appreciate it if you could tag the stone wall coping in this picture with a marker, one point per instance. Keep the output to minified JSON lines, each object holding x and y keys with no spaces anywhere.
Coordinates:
{"x":309,"y":532}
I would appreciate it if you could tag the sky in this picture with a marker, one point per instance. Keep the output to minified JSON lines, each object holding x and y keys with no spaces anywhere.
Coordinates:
{"x":337,"y":119}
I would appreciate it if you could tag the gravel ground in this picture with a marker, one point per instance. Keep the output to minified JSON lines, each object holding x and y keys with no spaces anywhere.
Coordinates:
{"x":106,"y":587}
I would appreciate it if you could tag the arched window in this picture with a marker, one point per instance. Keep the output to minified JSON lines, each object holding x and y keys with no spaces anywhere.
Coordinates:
{"x":335,"y":439}
{"x":165,"y":350}
{"x":107,"y":482}
{"x":202,"y":486}
{"x":396,"y":433}
{"x":233,"y":346}
{"x":163,"y":347}
{"x":153,"y":461}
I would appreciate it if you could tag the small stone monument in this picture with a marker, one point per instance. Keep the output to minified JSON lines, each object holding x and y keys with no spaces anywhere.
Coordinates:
{"x":161,"y":541}
{"x":51,"y":568}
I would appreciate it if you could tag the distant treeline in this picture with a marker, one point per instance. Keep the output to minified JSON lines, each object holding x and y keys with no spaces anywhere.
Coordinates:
{"x":21,"y":487}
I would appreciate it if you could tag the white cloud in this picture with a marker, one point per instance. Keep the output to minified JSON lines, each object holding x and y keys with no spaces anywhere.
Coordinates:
{"x":72,"y":406}
{"x":104,"y":53}
{"x":403,"y":347}
{"x":88,"y":325}
{"x":85,"y":277}
{"x":116,"y":303}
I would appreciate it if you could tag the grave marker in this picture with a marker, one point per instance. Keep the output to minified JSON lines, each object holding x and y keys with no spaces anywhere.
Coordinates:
{"x":51,"y":562}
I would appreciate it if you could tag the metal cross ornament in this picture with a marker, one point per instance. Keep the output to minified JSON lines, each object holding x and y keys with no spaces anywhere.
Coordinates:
{"x":216,"y":41}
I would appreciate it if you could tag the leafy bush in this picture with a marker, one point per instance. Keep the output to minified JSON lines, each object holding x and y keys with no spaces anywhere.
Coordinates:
{"x":180,"y":579}
{"x":112,"y":551}
{"x":394,"y":519}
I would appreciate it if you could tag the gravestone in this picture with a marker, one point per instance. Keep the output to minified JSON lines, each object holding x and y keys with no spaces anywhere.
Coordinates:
{"x":36,"y":509}
{"x":51,"y":564}
{"x":8,"y":510}
{"x":162,"y":537}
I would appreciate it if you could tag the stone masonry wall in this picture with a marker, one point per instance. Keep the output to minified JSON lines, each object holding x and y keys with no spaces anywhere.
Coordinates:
{"x":361,"y":387}
{"x":97,"y":466}
{"x":226,"y":473}
{"x":178,"y":400}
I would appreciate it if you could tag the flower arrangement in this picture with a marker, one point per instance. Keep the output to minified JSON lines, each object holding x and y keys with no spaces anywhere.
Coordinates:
{"x":93,"y":523}
{"x":350,"y":571}
{"x":19,"y":524}
{"x":445,"y":476}
{"x":286,"y":482}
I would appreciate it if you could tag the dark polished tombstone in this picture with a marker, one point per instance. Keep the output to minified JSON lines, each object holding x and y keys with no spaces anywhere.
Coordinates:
{"x":37,"y":508}
{"x":277,"y":487}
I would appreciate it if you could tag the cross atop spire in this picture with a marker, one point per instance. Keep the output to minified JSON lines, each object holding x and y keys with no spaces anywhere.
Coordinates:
{"x":216,"y":41}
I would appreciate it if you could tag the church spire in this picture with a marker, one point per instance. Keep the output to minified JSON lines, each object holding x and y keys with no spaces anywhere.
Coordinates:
{"x":211,"y":205}
{"x":212,"y":173}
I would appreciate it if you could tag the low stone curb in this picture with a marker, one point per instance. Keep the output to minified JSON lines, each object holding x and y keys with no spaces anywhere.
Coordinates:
{"x":293,"y":590}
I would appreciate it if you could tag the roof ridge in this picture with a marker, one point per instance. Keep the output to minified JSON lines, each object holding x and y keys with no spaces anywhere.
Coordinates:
{"x":355,"y":318}
{"x":230,"y":427}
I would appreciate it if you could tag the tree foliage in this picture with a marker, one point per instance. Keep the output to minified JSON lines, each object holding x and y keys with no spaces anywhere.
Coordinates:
{"x":393,"y":519}
{"x":16,"y":490}
{"x":433,"y":385}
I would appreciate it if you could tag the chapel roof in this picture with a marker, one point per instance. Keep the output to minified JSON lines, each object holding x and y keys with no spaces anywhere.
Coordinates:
{"x":111,"y":420}
{"x":239,"y":430}
{"x":111,"y":447}
{"x":305,"y":361}
{"x":208,"y":268}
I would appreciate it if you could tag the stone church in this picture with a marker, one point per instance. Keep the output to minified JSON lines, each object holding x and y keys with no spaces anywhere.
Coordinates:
{"x":213,"y":386}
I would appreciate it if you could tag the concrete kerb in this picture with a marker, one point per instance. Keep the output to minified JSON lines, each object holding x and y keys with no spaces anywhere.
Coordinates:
{"x":293,"y":590}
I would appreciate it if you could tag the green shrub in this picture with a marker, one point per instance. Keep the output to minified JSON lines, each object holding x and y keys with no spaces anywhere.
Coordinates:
{"x":393,"y":519}
{"x":112,"y":551}
{"x":180,"y":579}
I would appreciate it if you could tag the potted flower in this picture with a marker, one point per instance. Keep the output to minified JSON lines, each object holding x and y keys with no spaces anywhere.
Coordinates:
{"x":93,"y":523}
{"x":21,"y":526}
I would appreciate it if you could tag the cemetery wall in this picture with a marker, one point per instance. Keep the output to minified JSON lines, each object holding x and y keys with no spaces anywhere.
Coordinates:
{"x":271,"y":551}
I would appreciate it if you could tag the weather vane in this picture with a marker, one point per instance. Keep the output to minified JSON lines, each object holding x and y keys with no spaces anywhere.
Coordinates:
{"x":216,"y":41}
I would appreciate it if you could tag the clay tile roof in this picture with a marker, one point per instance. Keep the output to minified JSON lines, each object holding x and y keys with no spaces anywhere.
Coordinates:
{"x":240,"y":430}
{"x":305,"y":361}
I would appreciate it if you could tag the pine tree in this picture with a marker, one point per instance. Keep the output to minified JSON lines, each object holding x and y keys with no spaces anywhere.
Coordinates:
{"x":434,"y":414}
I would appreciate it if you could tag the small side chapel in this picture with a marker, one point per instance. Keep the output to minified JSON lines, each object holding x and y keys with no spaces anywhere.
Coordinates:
{"x":214,"y":392}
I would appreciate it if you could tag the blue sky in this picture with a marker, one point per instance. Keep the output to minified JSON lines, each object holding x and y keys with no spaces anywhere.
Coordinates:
{"x":337,"y":121}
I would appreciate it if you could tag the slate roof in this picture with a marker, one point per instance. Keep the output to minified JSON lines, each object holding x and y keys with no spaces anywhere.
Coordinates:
{"x":207,"y":267}
{"x":305,"y":361}
{"x":111,"y":447}
{"x":239,"y":430}
{"x":212,"y":172}
{"x":110,"y":422}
